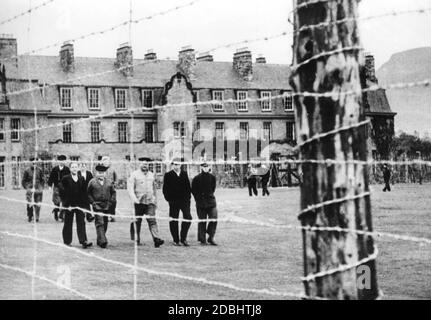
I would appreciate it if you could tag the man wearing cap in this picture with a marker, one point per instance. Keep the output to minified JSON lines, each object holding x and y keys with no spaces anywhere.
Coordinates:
{"x":57,"y":173}
{"x":34,"y":192}
{"x":111,"y":175}
{"x":177,"y":191}
{"x":74,"y":194}
{"x":142,"y":190}
{"x":203,"y":188}
{"x":101,"y":194}
{"x":87,"y":176}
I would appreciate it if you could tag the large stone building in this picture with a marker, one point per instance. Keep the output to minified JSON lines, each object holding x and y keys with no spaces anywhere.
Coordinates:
{"x":66,"y":88}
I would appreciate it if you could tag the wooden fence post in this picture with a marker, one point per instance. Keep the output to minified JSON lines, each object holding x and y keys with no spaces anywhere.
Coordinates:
{"x":317,"y":70}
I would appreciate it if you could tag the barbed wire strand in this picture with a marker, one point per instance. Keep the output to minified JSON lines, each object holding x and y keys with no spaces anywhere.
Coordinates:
{"x":42,"y":278}
{"x":29,"y":11}
{"x":200,"y":280}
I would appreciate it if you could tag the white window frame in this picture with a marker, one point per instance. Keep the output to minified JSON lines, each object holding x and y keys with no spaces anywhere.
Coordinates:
{"x":67,"y":125}
{"x":181,"y":131}
{"x":93,"y":100}
{"x":126,"y":132}
{"x":91,"y":131}
{"x":242,"y":106}
{"x":117,"y":106}
{"x":223,"y":128}
{"x":293,"y":131}
{"x":144,"y":93}
{"x":241,"y":131}
{"x":264,"y":130}
{"x":265,"y":105}
{"x":2,"y":130}
{"x":218,"y":106}
{"x":15,"y":130}
{"x":288,"y":101}
{"x":64,"y":99}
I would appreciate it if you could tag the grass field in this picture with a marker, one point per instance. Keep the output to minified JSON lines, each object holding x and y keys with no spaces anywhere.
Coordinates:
{"x":248,"y":256}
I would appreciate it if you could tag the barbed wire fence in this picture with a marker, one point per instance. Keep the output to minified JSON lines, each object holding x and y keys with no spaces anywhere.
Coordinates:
{"x":231,"y":218}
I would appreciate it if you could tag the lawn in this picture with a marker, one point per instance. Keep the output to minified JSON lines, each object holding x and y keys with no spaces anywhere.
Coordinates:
{"x":248,"y":256}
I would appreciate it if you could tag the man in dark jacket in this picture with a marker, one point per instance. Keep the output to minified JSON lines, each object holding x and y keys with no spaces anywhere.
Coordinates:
{"x":87,"y":176}
{"x":251,"y":181}
{"x":101,"y":194}
{"x":203,"y":188}
{"x":33,"y":174}
{"x":177,"y":191}
{"x":386,"y":178}
{"x":265,"y":180}
{"x":73,"y":194}
{"x":57,"y":173}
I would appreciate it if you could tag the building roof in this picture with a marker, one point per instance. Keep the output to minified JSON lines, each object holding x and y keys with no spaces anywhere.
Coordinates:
{"x":213,"y":75}
{"x":377,"y":101}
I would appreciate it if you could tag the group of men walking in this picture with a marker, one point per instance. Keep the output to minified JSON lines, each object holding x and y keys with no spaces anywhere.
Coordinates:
{"x":76,"y":193}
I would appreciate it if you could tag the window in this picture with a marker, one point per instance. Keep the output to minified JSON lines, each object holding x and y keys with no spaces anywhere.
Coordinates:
{"x":243,"y":130}
{"x":15,"y":125}
{"x":197,"y":135}
{"x":95,"y":131}
{"x":219,"y":130}
{"x":67,"y":133}
{"x":2,"y":178}
{"x":122,"y":132}
{"x":2,"y":137}
{"x":149,"y":132}
{"x":74,"y":158}
{"x":179,"y":129}
{"x":219,"y":96}
{"x":147,"y":98}
{"x":287,"y":102}
{"x":265,"y":104}
{"x":242,"y":105}
{"x":93,"y":99}
{"x":158,"y":167}
{"x":16,"y":172}
{"x":66,"y":98}
{"x":290,"y":131}
{"x":120,"y":98}
{"x":267,"y":128}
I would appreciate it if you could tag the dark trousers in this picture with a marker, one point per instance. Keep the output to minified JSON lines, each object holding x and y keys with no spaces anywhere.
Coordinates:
{"x":57,"y":202}
{"x":206,"y":227}
{"x":140,"y":210}
{"x":68,"y":226}
{"x":37,"y":198}
{"x":112,"y":208}
{"x":101,"y":223}
{"x":387,"y":186}
{"x":251,"y":182}
{"x":265,"y":187}
{"x":174,"y":212}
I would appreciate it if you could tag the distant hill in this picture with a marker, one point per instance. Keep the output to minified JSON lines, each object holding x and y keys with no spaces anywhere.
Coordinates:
{"x":412,"y":105}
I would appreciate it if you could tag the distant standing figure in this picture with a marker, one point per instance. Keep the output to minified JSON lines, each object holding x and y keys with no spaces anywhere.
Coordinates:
{"x":57,"y":173}
{"x":141,"y":186}
{"x":74,"y":194}
{"x":265,"y":180}
{"x":386,"y":178}
{"x":111,"y":175}
{"x":101,"y":194}
{"x":251,"y":181}
{"x":34,"y":193}
{"x":177,"y":192}
{"x":203,"y":188}
{"x":87,"y":176}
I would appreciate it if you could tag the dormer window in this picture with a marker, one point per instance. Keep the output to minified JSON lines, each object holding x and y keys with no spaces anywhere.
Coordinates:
{"x":242,"y":105}
{"x":66,"y":98}
{"x":120,"y":99}
{"x":93,"y":98}
{"x":218,"y":95}
{"x":265,"y":104}
{"x":147,"y":98}
{"x":288,"y":101}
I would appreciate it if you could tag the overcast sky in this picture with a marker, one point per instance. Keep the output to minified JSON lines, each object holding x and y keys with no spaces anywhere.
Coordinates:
{"x":207,"y":24}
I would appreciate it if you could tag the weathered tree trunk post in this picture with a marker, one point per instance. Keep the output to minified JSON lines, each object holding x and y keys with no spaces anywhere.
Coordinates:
{"x":335,"y":72}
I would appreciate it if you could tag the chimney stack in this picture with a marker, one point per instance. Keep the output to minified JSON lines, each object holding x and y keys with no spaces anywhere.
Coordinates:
{"x":67,"y":59}
{"x":187,"y":62}
{"x":205,"y":56}
{"x":9,"y":48}
{"x":125,"y":59}
{"x":243,"y":63}
{"x":370,"y":70}
{"x":260,"y":59}
{"x":150,"y":55}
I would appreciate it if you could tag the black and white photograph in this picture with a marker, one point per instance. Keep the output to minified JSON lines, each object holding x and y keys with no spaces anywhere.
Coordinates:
{"x":215,"y":155}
